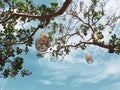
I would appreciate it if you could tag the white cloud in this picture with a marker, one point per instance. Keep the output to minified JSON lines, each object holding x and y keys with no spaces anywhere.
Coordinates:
{"x":45,"y":82}
{"x":113,"y":6}
{"x":112,"y":69}
{"x":74,"y":68}
{"x":60,"y":72}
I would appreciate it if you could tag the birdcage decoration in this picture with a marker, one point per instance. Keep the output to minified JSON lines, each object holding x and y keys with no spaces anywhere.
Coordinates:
{"x":89,"y":58}
{"x":42,"y":43}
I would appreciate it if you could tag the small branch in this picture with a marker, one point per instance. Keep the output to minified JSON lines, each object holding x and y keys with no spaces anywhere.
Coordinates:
{"x":8,"y":2}
{"x":80,"y":19}
{"x":21,"y":42}
{"x":7,"y":19}
{"x":88,"y":24}
{"x":35,"y":31}
{"x":18,"y":42}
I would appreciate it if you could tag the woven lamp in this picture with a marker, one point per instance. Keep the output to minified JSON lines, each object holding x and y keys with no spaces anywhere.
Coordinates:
{"x":89,"y":58}
{"x":42,"y":43}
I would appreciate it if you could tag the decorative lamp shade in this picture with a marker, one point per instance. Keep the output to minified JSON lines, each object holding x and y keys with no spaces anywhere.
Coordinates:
{"x":42,"y":43}
{"x":89,"y":58}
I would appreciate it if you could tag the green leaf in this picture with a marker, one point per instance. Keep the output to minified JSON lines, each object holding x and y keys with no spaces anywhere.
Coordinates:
{"x":18,"y":50}
{"x":40,"y":55}
{"x":55,"y":4}
{"x":100,"y":35}
{"x":14,"y":0}
{"x":101,"y":27}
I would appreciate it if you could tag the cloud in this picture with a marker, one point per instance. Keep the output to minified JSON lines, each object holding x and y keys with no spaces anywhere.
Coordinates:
{"x":63,"y":0}
{"x":74,"y":69}
{"x":45,"y":82}
{"x":113,"y":6}
{"x":74,"y":72}
{"x":110,"y":71}
{"x":117,"y":84}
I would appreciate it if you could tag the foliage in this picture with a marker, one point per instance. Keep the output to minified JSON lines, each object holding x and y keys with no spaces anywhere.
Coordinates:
{"x":86,"y":22}
{"x":11,"y":61}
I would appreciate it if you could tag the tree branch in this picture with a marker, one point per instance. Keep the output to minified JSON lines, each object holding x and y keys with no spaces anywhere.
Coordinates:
{"x":7,"y":19}
{"x":44,"y":17}
{"x":100,"y":44}
{"x":21,"y":42}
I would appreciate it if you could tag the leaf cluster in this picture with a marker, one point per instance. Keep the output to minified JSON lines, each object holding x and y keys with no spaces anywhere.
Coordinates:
{"x":115,"y":42}
{"x":14,"y":42}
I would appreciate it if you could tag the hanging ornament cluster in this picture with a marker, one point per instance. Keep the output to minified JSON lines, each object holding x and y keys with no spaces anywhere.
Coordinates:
{"x":89,"y":58}
{"x":42,"y":43}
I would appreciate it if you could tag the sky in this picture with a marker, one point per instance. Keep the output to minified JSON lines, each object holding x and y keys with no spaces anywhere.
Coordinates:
{"x":73,"y":73}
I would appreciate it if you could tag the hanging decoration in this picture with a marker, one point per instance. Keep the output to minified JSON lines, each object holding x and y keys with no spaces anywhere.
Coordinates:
{"x":89,"y":58}
{"x":42,"y":43}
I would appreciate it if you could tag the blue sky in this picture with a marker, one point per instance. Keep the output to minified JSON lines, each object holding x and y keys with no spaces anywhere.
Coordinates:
{"x":73,"y":73}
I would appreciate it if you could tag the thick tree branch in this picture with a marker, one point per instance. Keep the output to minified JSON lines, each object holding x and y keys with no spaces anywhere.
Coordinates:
{"x":44,"y":17}
{"x":103,"y":45}
{"x":100,"y":44}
